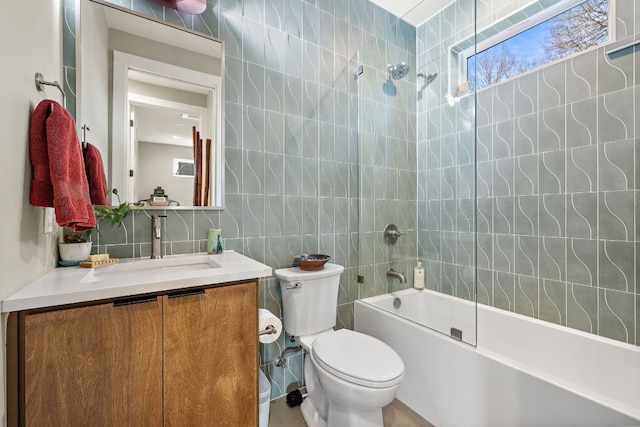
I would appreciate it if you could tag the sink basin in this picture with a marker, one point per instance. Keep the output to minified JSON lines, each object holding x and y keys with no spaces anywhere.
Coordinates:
{"x":151,"y":267}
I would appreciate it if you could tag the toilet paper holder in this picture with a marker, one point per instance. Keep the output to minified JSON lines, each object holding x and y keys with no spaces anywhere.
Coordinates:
{"x":268,"y":331}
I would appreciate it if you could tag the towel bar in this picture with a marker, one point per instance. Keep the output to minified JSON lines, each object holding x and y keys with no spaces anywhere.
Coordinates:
{"x":623,"y":47}
{"x":40,"y":81}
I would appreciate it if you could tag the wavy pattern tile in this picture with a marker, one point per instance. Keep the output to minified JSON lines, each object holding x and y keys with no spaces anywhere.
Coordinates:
{"x":233,"y":175}
{"x":253,"y":129}
{"x":525,"y":135}
{"x":582,"y":308}
{"x":582,"y":123}
{"x":503,"y":177}
{"x":253,"y":43}
{"x":526,"y":296}
{"x":552,"y":215}
{"x":615,"y":116}
{"x":582,"y":209}
{"x":551,"y":129}
{"x":582,"y":256}
{"x":292,"y":220}
{"x":503,"y":290}
{"x":526,"y":175}
{"x":616,"y":265}
{"x":551,"y":258}
{"x":526,"y":95}
{"x":552,"y":301}
{"x":616,"y":166}
{"x":273,"y":13}
{"x":503,"y":140}
{"x":233,"y":125}
{"x":274,"y":215}
{"x":231,"y":33}
{"x":503,"y":101}
{"x":581,"y":169}
{"x":582,"y":80}
{"x":253,"y":85}
{"x":525,"y":216}
{"x":253,"y":173}
{"x":551,"y":86}
{"x":615,"y":315}
{"x":552,"y":172}
{"x":614,"y":74}
{"x":616,"y":215}
{"x":526,"y":255}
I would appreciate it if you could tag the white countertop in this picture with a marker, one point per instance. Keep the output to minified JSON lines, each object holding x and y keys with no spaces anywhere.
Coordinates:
{"x":135,"y":276}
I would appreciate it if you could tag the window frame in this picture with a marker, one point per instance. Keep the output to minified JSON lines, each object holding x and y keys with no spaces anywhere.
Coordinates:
{"x":520,"y":27}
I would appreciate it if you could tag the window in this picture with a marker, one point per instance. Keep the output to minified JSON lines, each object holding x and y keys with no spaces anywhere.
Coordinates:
{"x":183,"y":167}
{"x":569,"y":27}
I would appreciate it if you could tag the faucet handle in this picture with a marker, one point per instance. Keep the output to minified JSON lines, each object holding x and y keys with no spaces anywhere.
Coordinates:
{"x":391,"y":234}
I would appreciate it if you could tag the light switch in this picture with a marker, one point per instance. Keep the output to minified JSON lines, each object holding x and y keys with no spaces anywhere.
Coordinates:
{"x":48,"y":221}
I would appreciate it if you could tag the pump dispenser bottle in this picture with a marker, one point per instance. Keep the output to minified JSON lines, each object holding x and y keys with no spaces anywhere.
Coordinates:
{"x":418,"y":276}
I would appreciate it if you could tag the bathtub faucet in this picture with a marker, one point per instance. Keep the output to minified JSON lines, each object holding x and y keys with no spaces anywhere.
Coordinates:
{"x":392,"y":274}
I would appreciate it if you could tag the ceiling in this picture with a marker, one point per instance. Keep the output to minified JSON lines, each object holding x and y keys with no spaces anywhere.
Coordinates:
{"x":414,"y":12}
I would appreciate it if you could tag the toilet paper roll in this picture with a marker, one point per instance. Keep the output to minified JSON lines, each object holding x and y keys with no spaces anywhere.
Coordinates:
{"x":266,"y":319}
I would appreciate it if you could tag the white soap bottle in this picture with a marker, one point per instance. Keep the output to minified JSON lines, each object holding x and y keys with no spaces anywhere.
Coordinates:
{"x":418,"y":276}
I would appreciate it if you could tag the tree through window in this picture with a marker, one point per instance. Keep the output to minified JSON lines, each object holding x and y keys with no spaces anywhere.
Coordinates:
{"x":569,"y":32}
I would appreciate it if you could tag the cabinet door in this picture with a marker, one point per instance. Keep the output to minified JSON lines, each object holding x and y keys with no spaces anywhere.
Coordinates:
{"x":98,"y":365}
{"x":211,"y":357}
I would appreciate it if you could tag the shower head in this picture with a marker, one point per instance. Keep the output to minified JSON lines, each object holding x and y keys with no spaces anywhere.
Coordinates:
{"x":398,"y":71}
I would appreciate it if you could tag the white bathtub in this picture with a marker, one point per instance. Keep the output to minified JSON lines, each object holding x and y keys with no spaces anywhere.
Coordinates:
{"x":523,"y":372}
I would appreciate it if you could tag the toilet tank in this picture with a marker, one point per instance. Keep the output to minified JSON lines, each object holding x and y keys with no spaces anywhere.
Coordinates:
{"x":309,"y":299}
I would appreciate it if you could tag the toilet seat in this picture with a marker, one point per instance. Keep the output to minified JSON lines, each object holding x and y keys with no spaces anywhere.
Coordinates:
{"x":358,"y":358}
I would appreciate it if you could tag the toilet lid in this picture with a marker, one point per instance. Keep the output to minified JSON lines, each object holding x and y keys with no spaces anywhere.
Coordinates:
{"x":358,"y":358}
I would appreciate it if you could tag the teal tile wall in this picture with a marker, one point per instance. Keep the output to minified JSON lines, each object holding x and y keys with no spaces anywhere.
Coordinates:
{"x":557,"y":180}
{"x":69,"y":53}
{"x":292,"y":143}
{"x":387,"y":130}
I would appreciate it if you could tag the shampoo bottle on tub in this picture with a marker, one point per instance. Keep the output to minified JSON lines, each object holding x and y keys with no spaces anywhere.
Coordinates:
{"x":418,"y":276}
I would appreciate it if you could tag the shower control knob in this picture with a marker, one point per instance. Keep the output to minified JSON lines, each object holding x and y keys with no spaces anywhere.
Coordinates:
{"x":391,"y":234}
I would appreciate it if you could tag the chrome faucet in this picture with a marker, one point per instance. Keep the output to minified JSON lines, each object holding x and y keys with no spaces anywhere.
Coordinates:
{"x":156,"y":236}
{"x":392,"y":274}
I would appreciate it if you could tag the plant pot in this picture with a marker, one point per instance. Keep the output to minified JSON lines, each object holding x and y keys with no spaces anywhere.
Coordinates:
{"x":74,"y":251}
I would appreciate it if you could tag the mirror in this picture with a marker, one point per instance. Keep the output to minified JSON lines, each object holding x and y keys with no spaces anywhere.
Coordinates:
{"x":148,"y":92}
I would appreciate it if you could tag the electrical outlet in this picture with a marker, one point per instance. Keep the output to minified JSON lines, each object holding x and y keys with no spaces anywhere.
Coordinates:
{"x":47,"y":226}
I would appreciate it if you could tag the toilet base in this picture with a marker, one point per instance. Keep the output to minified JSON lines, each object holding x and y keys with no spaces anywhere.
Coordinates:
{"x":311,"y":415}
{"x":340,"y":415}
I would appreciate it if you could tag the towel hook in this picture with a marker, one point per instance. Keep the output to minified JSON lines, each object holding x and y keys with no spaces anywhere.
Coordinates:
{"x":41,"y":81}
{"x":85,"y":128}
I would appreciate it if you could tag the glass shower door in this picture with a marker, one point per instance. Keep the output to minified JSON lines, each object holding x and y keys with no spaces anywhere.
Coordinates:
{"x":417,"y":170}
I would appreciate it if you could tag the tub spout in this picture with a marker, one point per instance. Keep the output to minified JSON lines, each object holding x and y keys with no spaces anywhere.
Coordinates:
{"x":392,"y":274}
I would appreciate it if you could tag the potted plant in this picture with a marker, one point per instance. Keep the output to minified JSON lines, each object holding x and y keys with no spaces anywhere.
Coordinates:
{"x":75,"y":247}
{"x":114,"y":214}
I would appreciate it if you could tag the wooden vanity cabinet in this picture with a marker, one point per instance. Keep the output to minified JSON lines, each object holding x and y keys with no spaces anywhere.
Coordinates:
{"x":185,"y":358}
{"x":98,"y":365}
{"x":211,"y":357}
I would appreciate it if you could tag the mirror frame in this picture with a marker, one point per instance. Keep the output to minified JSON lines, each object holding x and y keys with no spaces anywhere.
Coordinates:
{"x":118,"y":110}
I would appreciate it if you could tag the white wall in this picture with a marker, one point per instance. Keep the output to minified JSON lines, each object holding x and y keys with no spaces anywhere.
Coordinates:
{"x":155,"y":168}
{"x":30,"y":41}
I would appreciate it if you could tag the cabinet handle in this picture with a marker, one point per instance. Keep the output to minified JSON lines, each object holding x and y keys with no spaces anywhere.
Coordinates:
{"x":136,"y":300}
{"x":187,"y":293}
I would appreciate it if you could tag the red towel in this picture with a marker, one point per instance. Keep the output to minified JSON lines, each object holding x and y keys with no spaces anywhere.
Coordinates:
{"x":41,"y":193}
{"x":95,"y":176}
{"x":65,"y":188}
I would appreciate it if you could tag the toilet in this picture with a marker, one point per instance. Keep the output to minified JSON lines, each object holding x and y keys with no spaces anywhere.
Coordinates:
{"x":349,"y":376}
